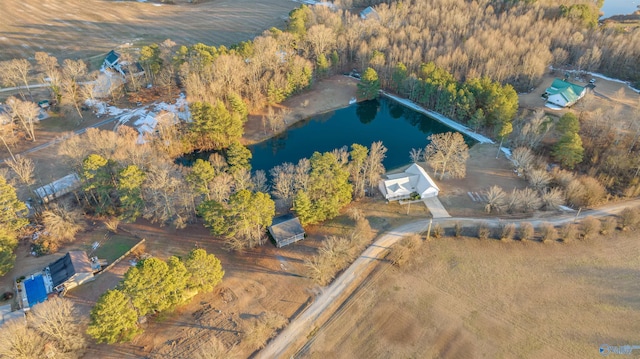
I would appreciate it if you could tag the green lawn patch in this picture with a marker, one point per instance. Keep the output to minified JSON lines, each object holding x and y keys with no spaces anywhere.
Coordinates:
{"x":114,"y":247}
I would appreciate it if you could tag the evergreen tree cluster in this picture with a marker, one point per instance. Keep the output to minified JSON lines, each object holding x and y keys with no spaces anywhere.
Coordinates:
{"x":152,"y":286}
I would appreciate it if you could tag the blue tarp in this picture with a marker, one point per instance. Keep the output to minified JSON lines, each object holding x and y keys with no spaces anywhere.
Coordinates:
{"x":36,"y":291}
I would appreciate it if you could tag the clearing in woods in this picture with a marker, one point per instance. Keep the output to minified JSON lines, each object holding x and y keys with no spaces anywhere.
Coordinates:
{"x":63,"y":28}
{"x":465,"y":298}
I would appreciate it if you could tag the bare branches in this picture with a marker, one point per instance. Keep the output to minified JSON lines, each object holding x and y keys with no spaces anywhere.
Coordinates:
{"x":16,"y":73}
{"x":23,"y":167}
{"x":26,"y":114}
{"x":448,"y":153}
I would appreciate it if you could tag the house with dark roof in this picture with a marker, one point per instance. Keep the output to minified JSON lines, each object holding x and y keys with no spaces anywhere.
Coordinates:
{"x":70,"y":271}
{"x":286,"y":230}
{"x":564,"y":93}
{"x":112,"y":59}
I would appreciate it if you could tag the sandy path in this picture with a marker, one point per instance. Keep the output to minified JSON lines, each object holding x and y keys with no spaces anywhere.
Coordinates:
{"x":296,"y":333}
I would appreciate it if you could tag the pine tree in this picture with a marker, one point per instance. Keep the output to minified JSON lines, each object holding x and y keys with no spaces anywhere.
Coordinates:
{"x":322,"y":65}
{"x":369,"y":85}
{"x":206,"y":270}
{"x":238,"y":157}
{"x":303,"y":207}
{"x":13,"y":211}
{"x":569,"y":151}
{"x":113,"y":319}
{"x":199,"y":176}
{"x":129,"y":187}
{"x":568,"y":123}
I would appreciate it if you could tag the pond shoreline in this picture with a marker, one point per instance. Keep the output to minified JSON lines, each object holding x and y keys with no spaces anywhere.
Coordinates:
{"x":439,"y":117}
{"x":332,"y":94}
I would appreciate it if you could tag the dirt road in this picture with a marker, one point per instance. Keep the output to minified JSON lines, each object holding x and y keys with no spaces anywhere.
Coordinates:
{"x":293,"y":336}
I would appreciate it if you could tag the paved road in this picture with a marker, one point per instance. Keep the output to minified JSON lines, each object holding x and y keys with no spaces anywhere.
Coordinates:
{"x":34,"y":86}
{"x":295,"y":334}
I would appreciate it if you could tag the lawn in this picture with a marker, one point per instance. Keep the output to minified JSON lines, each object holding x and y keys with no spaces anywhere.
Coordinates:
{"x":113,"y":247}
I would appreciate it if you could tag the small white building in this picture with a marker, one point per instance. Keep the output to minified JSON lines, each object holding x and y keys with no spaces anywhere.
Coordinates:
{"x":414,"y":179}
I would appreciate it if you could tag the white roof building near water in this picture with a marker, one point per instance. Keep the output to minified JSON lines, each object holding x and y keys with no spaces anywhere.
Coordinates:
{"x":400,"y":186}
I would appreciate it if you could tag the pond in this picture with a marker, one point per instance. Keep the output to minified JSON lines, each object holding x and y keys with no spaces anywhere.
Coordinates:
{"x":399,"y":128}
{"x":619,"y":7}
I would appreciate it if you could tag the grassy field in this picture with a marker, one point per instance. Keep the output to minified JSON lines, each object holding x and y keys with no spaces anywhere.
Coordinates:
{"x":81,"y":29}
{"x":466,"y":298}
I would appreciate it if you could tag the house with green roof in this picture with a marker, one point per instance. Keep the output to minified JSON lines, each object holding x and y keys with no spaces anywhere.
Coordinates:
{"x":564,"y":93}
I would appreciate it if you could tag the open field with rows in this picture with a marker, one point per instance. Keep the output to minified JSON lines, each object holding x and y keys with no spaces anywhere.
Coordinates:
{"x":80,"y":29}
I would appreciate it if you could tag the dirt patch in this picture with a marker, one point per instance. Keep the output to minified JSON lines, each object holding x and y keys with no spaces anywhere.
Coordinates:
{"x":470,"y":298}
{"x":464,"y":197}
{"x":323,"y":96}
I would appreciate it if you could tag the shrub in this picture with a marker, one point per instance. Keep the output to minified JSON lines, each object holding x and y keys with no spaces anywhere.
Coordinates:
{"x":507,"y":231}
{"x":539,"y":179}
{"x":562,"y":177}
{"x":112,"y":224}
{"x":568,"y":232}
{"x":590,"y":226}
{"x":548,"y":232}
{"x":595,"y":191}
{"x":630,"y":218}
{"x":552,"y":198}
{"x":609,"y":225}
{"x":457,"y":229}
{"x":575,"y":193}
{"x":526,"y":231}
{"x":496,"y":200}
{"x":437,"y":231}
{"x":402,"y":252}
{"x":484,"y":231}
{"x":264,"y":326}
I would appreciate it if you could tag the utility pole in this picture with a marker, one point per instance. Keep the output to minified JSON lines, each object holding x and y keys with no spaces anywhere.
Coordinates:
{"x":577,"y":214}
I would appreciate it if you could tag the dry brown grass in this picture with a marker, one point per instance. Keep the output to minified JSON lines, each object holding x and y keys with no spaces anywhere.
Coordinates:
{"x":79,"y":29}
{"x":472,"y":299}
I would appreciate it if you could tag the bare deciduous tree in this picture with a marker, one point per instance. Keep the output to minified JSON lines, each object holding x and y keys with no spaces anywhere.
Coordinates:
{"x":62,"y":224}
{"x":496,"y":200}
{"x":26,"y":113}
{"x":16,"y":73}
{"x":552,"y":198}
{"x":20,"y":341}
{"x":8,"y":134}
{"x":523,"y":159}
{"x":415,"y":155}
{"x":448,"y":153}
{"x":49,"y":68}
{"x":283,"y":182}
{"x":260,"y":181}
{"x":58,"y":319}
{"x":72,"y":72}
{"x":23,"y":167}
{"x":539,"y":179}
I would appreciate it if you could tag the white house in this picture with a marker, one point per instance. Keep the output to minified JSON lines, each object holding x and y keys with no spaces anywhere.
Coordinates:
{"x":564,"y":93}
{"x":414,"y":179}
